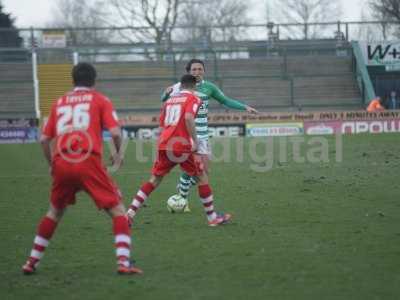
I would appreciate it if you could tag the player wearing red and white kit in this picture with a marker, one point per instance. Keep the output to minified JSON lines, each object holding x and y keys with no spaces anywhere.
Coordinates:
{"x":178,"y":144}
{"x":75,"y":124}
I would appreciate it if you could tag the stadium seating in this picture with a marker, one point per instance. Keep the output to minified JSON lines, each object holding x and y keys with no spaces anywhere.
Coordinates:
{"x":259,"y":92}
{"x":16,"y":90}
{"x":318,"y":65}
{"x":134,"y":95}
{"x":299,"y":82}
{"x":117,"y":70}
{"x":318,"y":81}
{"x":284,"y":80}
{"x":326,"y":91}
{"x":134,"y":85}
{"x":54,"y":81}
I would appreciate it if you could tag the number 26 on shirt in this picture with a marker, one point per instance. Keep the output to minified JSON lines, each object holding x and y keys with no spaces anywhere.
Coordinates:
{"x":73,"y":118}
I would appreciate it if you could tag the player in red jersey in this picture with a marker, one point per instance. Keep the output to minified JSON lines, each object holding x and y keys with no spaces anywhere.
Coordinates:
{"x":178,"y":144}
{"x":75,"y":124}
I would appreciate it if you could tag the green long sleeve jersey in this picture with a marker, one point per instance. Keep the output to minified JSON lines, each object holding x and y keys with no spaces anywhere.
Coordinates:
{"x":206,"y":90}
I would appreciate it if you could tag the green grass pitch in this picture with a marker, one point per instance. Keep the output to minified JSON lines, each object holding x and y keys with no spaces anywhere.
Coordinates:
{"x":312,"y":230}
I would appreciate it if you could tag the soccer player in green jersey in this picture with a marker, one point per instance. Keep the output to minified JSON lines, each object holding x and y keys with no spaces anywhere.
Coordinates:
{"x":205,"y":90}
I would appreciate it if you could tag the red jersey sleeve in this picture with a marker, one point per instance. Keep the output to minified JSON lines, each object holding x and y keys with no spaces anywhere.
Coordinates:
{"x":162,"y":116}
{"x":193,"y":105}
{"x":49,"y":128}
{"x":109,"y":118}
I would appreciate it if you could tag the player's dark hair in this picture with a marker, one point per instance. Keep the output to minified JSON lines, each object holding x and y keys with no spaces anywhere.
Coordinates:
{"x":84,"y":74}
{"x":193,"y":61}
{"x":188,"y":82}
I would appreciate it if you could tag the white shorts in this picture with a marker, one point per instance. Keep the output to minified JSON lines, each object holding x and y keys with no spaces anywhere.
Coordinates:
{"x":204,"y":147}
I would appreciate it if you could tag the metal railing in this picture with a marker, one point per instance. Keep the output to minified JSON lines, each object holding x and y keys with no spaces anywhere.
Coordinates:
{"x":204,"y":37}
{"x":362,"y":75}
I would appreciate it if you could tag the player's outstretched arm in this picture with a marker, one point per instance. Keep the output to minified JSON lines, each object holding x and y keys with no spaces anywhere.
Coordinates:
{"x":218,"y":95}
{"x":167,"y":92}
{"x":191,"y":127}
{"x":45,"y":142}
{"x":251,"y":110}
{"x":116,"y":137}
